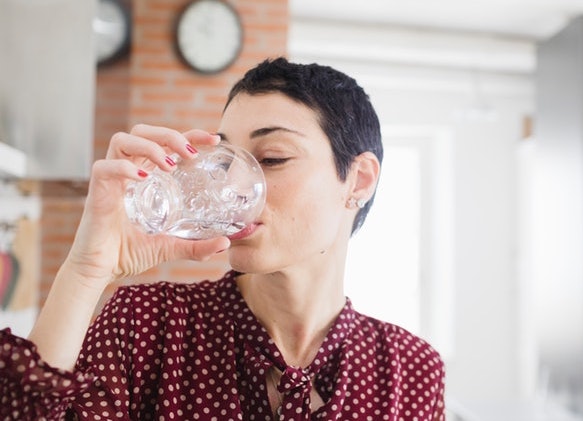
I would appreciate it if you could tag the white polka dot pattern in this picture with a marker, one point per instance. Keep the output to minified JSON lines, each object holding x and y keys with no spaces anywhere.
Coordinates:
{"x":196,"y":352}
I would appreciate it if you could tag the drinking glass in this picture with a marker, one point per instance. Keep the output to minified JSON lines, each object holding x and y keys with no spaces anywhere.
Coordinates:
{"x":219,"y":192}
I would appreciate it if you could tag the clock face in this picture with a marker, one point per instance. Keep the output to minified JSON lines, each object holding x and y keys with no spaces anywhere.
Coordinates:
{"x":209,"y":35}
{"x":111,"y":27}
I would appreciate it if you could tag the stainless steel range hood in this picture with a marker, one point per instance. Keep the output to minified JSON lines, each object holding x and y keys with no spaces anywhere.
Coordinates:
{"x":47,"y":84}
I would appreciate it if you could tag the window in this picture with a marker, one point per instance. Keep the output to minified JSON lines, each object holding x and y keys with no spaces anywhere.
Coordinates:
{"x":400,"y":265}
{"x":382,"y":271}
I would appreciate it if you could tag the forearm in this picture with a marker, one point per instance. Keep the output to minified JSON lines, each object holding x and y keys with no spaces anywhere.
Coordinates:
{"x":64,"y":319}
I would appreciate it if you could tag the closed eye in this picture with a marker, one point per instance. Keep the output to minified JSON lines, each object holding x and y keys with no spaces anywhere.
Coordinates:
{"x":272,"y":162}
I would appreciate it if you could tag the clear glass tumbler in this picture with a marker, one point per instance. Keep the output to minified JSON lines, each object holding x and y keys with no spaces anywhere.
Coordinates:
{"x":219,"y":192}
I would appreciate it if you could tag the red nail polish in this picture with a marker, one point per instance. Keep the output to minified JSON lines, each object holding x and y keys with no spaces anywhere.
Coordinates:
{"x":170,"y":161}
{"x":142,"y":173}
{"x":190,"y":149}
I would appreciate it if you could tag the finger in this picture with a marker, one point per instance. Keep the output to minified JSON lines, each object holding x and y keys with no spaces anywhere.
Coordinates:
{"x":139,"y":149}
{"x":171,"y":140}
{"x":119,"y":169}
{"x":200,"y":137}
{"x":164,"y":136}
{"x":200,"y":249}
{"x":106,"y":188}
{"x":109,"y":179}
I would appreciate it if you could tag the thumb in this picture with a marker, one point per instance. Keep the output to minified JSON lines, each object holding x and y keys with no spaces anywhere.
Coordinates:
{"x":200,"y":249}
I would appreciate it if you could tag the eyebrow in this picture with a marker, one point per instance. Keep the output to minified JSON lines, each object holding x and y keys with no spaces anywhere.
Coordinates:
{"x":264,"y":131}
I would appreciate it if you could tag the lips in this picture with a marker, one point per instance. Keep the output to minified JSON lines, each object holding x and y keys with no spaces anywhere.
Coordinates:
{"x":245,"y":232}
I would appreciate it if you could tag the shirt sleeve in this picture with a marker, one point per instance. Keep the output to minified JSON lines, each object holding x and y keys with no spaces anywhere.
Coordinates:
{"x":431,"y":373}
{"x":29,"y":387}
{"x":107,"y":352}
{"x":439,"y":406}
{"x":97,"y":388}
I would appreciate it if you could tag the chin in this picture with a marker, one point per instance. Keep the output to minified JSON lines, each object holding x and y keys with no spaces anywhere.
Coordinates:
{"x":242,"y":259}
{"x":246,"y":261}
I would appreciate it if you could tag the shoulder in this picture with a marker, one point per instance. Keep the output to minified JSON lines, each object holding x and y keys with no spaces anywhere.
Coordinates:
{"x":408,"y":363}
{"x":401,"y":348}
{"x":171,"y":292}
{"x":155,"y":305}
{"x":163,"y":298}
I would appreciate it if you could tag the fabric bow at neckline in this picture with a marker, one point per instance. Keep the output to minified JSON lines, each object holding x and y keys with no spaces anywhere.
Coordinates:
{"x":294,"y":378}
{"x":295,"y":385}
{"x":261,"y":353}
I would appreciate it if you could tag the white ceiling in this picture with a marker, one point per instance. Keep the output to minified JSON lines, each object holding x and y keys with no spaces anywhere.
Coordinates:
{"x":499,"y":36}
{"x":531,"y":19}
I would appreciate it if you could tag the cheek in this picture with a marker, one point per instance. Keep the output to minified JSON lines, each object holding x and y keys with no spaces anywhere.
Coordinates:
{"x":284,"y":194}
{"x":309,"y":201}
{"x":310,"y":210}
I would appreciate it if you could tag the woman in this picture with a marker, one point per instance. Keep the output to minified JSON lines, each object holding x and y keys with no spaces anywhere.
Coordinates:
{"x":275,"y":338}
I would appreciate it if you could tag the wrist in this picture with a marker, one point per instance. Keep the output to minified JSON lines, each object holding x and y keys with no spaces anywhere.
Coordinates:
{"x":66,"y":314}
{"x":81,"y":280}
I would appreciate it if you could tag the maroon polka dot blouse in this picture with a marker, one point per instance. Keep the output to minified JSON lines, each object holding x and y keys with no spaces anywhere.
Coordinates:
{"x":196,"y":352}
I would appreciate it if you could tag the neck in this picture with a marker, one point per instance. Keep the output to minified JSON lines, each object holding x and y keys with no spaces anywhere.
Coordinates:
{"x":296,"y":307}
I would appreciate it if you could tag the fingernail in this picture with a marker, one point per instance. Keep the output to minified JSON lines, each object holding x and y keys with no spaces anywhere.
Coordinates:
{"x":142,"y":173}
{"x":170,"y":161}
{"x":190,"y":149}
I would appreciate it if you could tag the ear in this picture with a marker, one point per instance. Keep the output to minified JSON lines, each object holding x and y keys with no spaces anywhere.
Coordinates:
{"x":364,"y":175}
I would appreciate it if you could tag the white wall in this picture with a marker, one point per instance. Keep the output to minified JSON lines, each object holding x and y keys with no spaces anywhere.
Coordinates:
{"x":558,"y":216}
{"x":484,"y":367}
{"x":484,"y":110}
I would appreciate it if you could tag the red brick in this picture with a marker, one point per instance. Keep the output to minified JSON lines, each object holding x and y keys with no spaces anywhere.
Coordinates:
{"x":151,"y":85}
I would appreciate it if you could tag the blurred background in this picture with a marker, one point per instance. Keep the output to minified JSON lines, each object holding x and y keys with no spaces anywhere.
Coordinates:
{"x":475,"y":241}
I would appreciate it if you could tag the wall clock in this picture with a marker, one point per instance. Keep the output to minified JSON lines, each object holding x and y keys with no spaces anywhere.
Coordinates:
{"x":111,"y":27}
{"x":209,"y":35}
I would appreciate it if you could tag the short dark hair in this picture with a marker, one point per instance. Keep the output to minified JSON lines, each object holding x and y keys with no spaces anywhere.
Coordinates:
{"x":345,"y":112}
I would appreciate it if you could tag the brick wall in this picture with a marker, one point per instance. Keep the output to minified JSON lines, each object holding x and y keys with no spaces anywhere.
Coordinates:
{"x":153,"y":86}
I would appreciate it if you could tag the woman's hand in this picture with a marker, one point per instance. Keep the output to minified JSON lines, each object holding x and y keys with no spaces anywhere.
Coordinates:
{"x":107,"y":245}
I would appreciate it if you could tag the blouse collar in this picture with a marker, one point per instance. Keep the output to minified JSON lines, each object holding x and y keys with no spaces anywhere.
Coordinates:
{"x":256,"y":337}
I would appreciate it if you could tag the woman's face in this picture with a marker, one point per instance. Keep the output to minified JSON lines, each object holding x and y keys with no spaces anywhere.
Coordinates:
{"x":305,"y":220}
